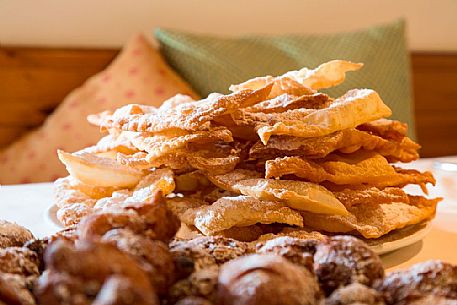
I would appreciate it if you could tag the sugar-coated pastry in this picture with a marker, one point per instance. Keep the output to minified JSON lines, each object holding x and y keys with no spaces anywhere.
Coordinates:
{"x":266,"y":280}
{"x":430,"y":278}
{"x":152,"y":255}
{"x":13,"y":235}
{"x":342,"y":260}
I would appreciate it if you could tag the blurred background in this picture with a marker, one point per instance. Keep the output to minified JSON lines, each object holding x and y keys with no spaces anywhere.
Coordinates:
{"x":50,"y":47}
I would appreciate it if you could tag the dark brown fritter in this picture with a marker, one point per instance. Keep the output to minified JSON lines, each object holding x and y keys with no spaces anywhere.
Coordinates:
{"x":152,"y":255}
{"x":121,"y":291}
{"x":193,"y":301}
{"x":355,"y":294}
{"x":152,"y":219}
{"x":201,"y":283}
{"x":15,"y":289}
{"x":297,"y":251}
{"x":427,"y":278}
{"x":13,"y":235}
{"x":204,"y":251}
{"x":39,"y":247}
{"x":266,"y":280}
{"x":342,"y":260}
{"x":55,"y":288}
{"x":77,"y":272}
{"x":20,"y":261}
{"x":69,"y":233}
{"x":433,"y":300}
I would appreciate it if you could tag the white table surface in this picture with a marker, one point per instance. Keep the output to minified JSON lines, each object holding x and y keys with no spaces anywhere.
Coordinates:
{"x":28,"y":205}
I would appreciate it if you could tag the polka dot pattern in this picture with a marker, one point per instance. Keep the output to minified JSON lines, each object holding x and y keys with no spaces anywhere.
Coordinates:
{"x":138,"y":75}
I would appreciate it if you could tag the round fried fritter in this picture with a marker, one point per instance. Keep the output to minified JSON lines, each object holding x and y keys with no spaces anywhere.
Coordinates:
{"x":193,"y":301}
{"x":94,"y":226}
{"x":342,"y":260}
{"x":204,"y":251}
{"x":201,"y":283}
{"x":297,"y":251}
{"x":39,"y":247}
{"x":152,"y":255}
{"x":355,"y":294}
{"x":13,"y":235}
{"x":432,"y":300}
{"x":69,"y":233}
{"x":56,"y":288}
{"x":118,"y":290}
{"x":15,"y":289}
{"x":154,"y":220}
{"x":423,"y":279}
{"x":20,"y":261}
{"x":266,"y":280}
{"x":77,"y":272}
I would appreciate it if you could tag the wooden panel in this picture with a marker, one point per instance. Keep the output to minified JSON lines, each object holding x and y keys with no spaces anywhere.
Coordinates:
{"x":33,"y":81}
{"x":9,"y":134}
{"x":435,"y":95}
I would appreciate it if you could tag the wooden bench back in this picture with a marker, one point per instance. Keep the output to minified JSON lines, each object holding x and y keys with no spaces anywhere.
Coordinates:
{"x":33,"y":81}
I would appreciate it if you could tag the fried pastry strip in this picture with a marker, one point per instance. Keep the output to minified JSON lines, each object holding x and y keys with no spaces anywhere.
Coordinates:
{"x":372,"y":195}
{"x":241,"y":211}
{"x":372,"y":220}
{"x":347,"y":141}
{"x":301,"y":82}
{"x":158,"y":145}
{"x":190,"y":116}
{"x":114,"y":142}
{"x":298,"y":195}
{"x":356,"y":107}
{"x":104,"y":172}
{"x":388,"y":129}
{"x":286,"y":102}
{"x":360,"y":168}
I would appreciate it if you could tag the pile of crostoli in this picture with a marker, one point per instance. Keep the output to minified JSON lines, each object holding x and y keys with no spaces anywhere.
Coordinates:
{"x":274,"y":157}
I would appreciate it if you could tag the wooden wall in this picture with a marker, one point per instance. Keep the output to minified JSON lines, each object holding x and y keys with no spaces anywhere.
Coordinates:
{"x":34,"y":81}
{"x":435,"y":97}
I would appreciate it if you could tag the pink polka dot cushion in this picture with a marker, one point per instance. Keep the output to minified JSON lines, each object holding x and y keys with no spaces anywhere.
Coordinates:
{"x":138,"y":75}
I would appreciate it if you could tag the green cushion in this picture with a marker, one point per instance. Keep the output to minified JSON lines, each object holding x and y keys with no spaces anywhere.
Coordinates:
{"x":211,"y":64}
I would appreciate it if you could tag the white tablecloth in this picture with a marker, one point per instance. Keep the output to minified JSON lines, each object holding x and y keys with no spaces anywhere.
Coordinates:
{"x":28,"y":205}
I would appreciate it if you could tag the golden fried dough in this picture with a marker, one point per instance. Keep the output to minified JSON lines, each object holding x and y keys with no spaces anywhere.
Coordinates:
{"x":190,"y":116}
{"x":281,"y":85}
{"x":158,"y":145}
{"x":300,"y":233}
{"x":179,"y":206}
{"x":356,"y":107}
{"x":327,"y":75}
{"x":145,"y":191}
{"x":191,"y":182}
{"x":372,"y":220}
{"x":227,"y":181}
{"x":241,"y":211}
{"x":360,"y":168}
{"x":388,"y":129}
{"x":347,"y":141}
{"x":303,"y":81}
{"x":350,"y":197}
{"x":114,"y":142}
{"x":298,"y":195}
{"x":105,"y":172}
{"x":286,"y":102}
